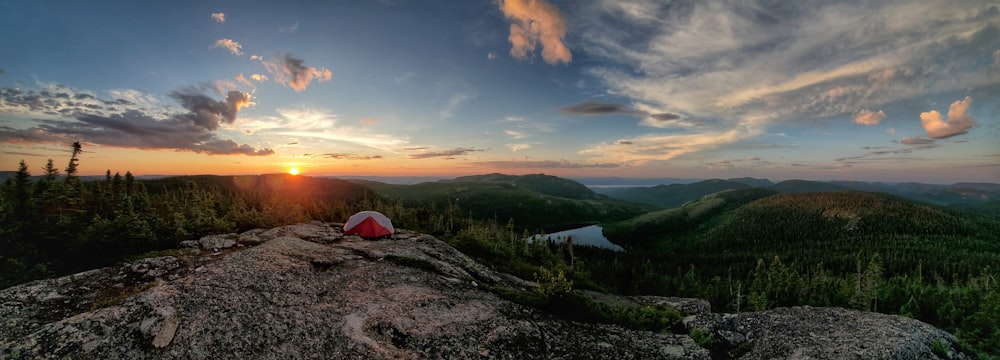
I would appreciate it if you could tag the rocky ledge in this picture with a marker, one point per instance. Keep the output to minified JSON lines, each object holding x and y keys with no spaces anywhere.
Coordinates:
{"x":306,"y":291}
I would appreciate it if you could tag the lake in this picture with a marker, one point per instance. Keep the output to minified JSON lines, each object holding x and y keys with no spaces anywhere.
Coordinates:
{"x":592,"y":235}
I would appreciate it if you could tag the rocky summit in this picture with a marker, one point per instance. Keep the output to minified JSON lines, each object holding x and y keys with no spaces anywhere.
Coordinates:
{"x":307,"y":292}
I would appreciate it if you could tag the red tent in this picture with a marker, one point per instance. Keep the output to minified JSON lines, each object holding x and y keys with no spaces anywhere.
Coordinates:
{"x":369,"y":224}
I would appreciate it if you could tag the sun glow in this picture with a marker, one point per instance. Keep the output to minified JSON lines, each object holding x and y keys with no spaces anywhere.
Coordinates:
{"x":293,"y":170}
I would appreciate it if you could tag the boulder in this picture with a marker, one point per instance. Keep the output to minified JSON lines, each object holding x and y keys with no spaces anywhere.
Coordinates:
{"x":824,"y":333}
{"x":218,"y":242}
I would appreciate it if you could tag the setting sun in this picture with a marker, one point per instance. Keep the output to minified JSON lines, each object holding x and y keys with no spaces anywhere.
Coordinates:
{"x":293,"y":171}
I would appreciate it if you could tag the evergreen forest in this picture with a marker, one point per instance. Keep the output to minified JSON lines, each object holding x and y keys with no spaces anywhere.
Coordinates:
{"x":742,"y":249}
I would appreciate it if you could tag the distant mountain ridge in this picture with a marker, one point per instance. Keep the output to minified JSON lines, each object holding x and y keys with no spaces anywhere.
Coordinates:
{"x":674,"y":195}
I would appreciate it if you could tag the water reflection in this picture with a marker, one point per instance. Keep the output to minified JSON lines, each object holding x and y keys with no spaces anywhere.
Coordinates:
{"x":592,"y":235}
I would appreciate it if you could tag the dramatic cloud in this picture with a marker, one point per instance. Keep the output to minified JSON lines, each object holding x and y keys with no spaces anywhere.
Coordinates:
{"x":866,"y":117}
{"x":534,"y":22}
{"x":958,"y":122}
{"x":208,"y":113}
{"x":543,"y":164}
{"x":219,"y":17}
{"x":736,"y":63}
{"x":192,"y":130}
{"x":293,"y":72}
{"x":447,"y":154}
{"x":232,"y":46}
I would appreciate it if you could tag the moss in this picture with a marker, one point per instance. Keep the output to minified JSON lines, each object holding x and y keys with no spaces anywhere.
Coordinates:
{"x":111,"y":296}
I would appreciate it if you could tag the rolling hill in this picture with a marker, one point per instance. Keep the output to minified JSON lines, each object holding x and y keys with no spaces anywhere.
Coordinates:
{"x":673,"y":195}
{"x":532,"y":201}
{"x":811,"y":228}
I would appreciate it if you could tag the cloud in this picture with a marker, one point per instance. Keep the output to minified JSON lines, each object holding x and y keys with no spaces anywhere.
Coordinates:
{"x":890,"y":131}
{"x":243,"y":80}
{"x":258,"y":77}
{"x":543,"y":164}
{"x":534,"y":22}
{"x":62,"y":101}
{"x":490,"y":55}
{"x":293,"y":72}
{"x":321,"y":124}
{"x":232,"y":46}
{"x":131,"y":126}
{"x":219,"y":17}
{"x":915,"y":141}
{"x":518,"y":147}
{"x":726,"y":64}
{"x":649,"y":118}
{"x":959,"y":121}
{"x":594,"y":107}
{"x":291,"y":29}
{"x":454,"y":102}
{"x":208,"y":113}
{"x":515,"y":134}
{"x":346,"y":156}
{"x":447,"y":154}
{"x":256,"y":57}
{"x":866,"y":117}
{"x":996,"y":59}
{"x":658,"y":147}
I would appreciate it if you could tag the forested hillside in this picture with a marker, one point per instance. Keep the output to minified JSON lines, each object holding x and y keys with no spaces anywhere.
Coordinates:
{"x":61,"y":224}
{"x":530,"y":201}
{"x":852,"y":249}
{"x":674,"y":195}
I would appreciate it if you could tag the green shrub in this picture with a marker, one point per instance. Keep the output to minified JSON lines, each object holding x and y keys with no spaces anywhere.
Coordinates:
{"x":703,"y":337}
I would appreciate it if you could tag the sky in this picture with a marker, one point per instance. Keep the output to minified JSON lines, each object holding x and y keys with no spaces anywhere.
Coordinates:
{"x":813,"y":89}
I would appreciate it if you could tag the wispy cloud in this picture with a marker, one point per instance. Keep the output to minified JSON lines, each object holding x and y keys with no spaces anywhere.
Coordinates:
{"x":290,"y":29}
{"x":219,"y":17}
{"x":291,"y":71}
{"x":651,"y":119}
{"x":732,"y":64}
{"x":915,"y":141}
{"x":515,"y":134}
{"x":642,"y":149}
{"x":122,"y":123}
{"x":534,"y":22}
{"x":446,"y":154}
{"x":233,"y":46}
{"x":345,"y":156}
{"x":518,"y":147}
{"x":454,"y":102}
{"x":594,"y":107}
{"x":959,"y":120}
{"x":543,"y":164}
{"x":316,"y":123}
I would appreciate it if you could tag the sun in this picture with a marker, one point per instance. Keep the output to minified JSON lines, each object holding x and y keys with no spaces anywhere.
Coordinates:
{"x":293,"y":170}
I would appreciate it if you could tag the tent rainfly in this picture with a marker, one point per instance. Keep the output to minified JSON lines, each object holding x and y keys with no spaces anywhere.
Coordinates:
{"x":369,"y":224}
